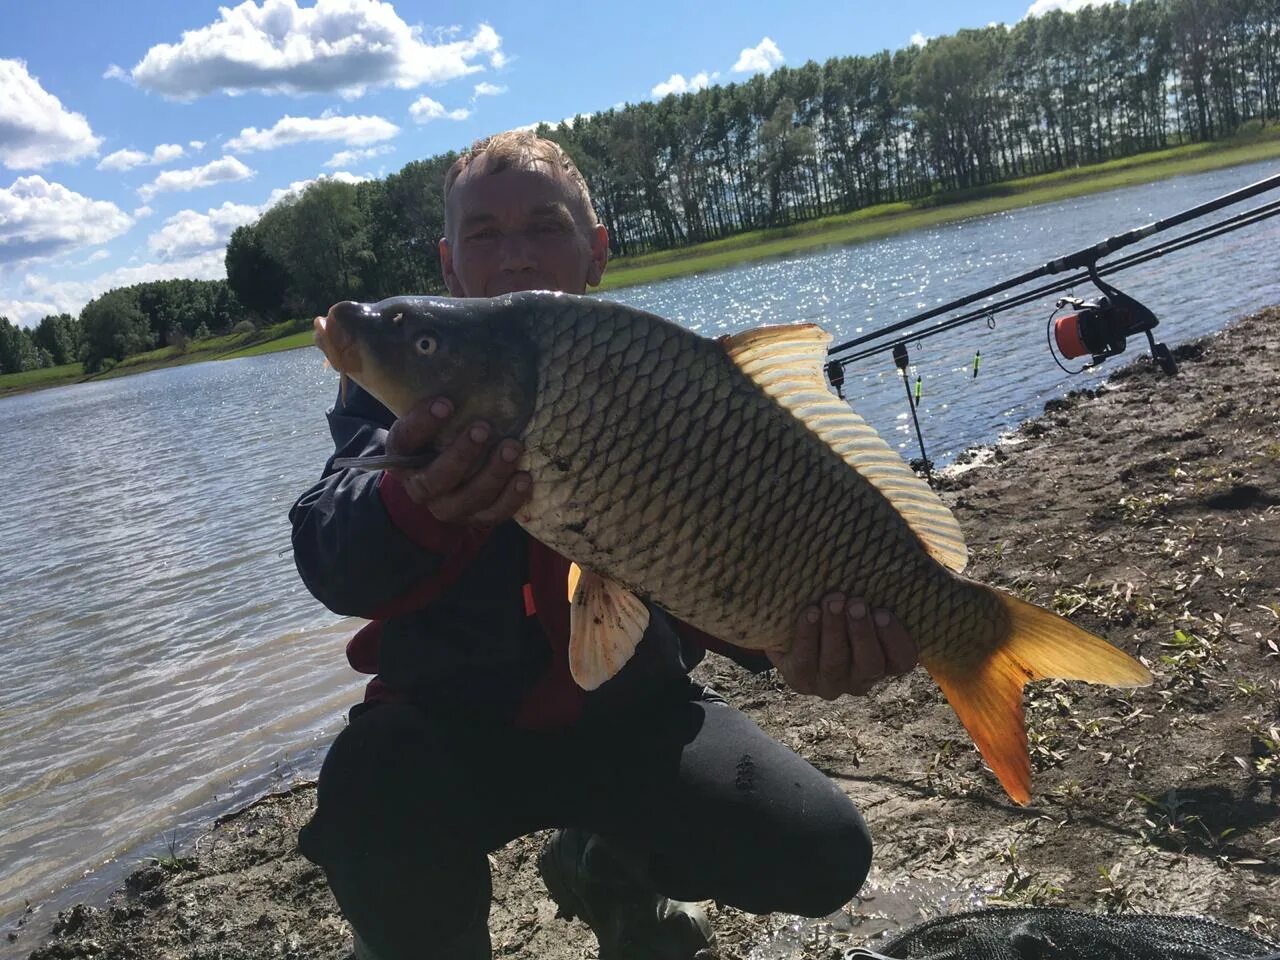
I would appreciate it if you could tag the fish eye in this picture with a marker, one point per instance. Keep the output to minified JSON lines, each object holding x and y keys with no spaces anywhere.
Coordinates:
{"x":427,"y":344}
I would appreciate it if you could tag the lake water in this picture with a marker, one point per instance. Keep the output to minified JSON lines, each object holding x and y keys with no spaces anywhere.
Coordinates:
{"x":160,"y":661}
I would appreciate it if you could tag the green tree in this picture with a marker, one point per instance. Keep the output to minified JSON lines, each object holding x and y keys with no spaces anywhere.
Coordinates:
{"x":18,"y":350}
{"x":328,"y":250}
{"x":112,"y":327}
{"x":60,"y":336}
{"x":258,"y":279}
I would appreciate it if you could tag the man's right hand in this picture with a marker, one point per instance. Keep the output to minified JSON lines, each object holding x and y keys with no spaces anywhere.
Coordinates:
{"x":450,"y":486}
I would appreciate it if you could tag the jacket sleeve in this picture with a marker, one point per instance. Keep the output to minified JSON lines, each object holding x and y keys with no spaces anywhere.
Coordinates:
{"x":362,"y":546}
{"x":753,"y":660}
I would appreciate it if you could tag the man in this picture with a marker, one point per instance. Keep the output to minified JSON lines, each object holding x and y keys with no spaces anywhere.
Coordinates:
{"x":473,"y":732}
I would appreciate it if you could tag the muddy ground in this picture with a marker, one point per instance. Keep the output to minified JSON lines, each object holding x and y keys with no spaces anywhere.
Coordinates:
{"x":1148,"y":512}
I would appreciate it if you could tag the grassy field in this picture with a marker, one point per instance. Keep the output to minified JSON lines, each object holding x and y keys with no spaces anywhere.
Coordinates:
{"x":870,"y":223}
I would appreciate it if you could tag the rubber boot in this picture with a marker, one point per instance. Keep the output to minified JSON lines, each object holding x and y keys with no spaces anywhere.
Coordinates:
{"x":605,"y":887}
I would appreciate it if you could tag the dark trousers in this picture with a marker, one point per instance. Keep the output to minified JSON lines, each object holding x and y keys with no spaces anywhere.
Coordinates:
{"x":411,"y":800}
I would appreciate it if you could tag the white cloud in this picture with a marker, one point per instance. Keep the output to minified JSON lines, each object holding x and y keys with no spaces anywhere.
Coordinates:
{"x":424,"y":110}
{"x":298,"y":186}
{"x":142,"y":213}
{"x":166,"y":152}
{"x":486,"y":89}
{"x":677,"y":84}
{"x":189,"y":245}
{"x":188,"y":232}
{"x":97,"y":255}
{"x":196,"y":145}
{"x":918,"y":39}
{"x":347,"y":46}
{"x":762,"y":58}
{"x":38,"y":295}
{"x":41,"y":219}
{"x":123,"y":160}
{"x":1041,"y":7}
{"x":35,"y":129}
{"x":219,"y":171}
{"x":128,"y":159}
{"x":288,"y":130}
{"x":347,"y":158}
{"x":28,"y":313}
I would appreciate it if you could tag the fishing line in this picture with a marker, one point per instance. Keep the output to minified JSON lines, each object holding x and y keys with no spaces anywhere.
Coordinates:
{"x":1100,"y":327}
{"x":1199,"y":235}
{"x":1083,"y":258}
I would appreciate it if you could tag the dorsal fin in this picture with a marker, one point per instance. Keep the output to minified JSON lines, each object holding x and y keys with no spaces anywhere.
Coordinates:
{"x":787,"y":363}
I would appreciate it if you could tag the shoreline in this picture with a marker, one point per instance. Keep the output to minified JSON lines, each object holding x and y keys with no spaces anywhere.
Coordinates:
{"x":867,"y":224}
{"x":1165,"y":799}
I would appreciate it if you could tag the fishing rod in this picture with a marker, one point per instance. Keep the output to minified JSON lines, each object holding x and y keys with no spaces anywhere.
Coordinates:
{"x":1083,"y":258}
{"x":1219,"y":228}
{"x":1099,"y":327}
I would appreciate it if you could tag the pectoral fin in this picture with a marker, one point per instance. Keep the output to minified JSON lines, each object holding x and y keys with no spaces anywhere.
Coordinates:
{"x":606,"y":623}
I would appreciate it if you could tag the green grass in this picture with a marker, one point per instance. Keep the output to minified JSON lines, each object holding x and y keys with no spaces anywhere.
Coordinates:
{"x":1261,"y":143}
{"x":885,"y":220}
{"x":288,"y":335}
{"x":291,"y":342}
{"x":34,"y":379}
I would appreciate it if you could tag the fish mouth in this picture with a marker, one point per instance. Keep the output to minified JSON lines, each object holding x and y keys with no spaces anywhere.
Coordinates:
{"x":335,"y":339}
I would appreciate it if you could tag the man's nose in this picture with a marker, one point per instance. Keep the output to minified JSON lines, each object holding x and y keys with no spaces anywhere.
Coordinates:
{"x":516,"y":252}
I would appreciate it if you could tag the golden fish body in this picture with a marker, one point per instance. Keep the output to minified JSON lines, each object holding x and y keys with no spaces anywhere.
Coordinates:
{"x":723,"y":481}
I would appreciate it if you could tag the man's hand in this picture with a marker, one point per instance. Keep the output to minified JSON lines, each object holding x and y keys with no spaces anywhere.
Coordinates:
{"x":450,"y":487}
{"x":844,"y":647}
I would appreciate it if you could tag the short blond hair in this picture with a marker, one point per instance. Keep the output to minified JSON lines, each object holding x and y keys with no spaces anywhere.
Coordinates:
{"x":520,"y":150}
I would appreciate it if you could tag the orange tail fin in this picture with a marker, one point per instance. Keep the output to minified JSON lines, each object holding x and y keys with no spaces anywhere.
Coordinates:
{"x":1040,"y":645}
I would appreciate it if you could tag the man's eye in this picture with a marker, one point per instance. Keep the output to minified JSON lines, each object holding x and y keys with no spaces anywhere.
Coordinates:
{"x":549,"y":226}
{"x":486,"y":234}
{"x":427,"y":344}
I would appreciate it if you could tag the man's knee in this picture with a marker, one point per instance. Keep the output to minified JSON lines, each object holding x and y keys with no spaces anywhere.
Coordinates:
{"x":827,"y":867}
{"x":838,"y":866}
{"x":373,"y":793}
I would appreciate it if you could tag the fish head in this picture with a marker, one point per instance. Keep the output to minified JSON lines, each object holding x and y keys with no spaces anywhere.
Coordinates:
{"x":406,"y":350}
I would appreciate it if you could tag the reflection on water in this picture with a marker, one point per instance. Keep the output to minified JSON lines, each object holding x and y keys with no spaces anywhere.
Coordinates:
{"x":159,"y":657}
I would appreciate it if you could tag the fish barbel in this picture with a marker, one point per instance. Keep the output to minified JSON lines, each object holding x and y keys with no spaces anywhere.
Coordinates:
{"x":720,"y":479}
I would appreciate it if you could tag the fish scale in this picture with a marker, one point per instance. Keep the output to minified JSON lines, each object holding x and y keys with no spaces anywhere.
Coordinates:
{"x":720,"y":480}
{"x":765,"y":529}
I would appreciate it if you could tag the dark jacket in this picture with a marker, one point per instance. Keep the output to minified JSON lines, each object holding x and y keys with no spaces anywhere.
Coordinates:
{"x":461,"y":618}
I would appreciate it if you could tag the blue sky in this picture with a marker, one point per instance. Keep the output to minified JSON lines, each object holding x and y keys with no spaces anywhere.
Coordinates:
{"x":135,"y":136}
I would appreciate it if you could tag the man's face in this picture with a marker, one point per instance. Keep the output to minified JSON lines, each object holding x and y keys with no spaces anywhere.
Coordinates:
{"x":517,"y":230}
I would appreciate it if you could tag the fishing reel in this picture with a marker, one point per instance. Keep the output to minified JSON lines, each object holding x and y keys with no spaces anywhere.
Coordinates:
{"x":1101,"y":326}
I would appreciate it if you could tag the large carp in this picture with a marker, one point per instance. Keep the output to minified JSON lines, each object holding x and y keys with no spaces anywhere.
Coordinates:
{"x":720,"y":479}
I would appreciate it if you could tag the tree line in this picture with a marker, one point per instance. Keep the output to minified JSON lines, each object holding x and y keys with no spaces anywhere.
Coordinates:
{"x":962,"y":111}
{"x":121,"y":322}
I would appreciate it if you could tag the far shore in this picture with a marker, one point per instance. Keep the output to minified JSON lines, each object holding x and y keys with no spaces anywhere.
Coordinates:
{"x":870,"y":223}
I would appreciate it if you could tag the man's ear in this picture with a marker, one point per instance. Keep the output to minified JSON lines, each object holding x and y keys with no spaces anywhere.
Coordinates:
{"x":599,"y":254}
{"x":451,"y":280}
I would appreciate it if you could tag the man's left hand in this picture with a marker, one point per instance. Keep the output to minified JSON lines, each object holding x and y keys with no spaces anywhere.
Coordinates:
{"x":843,"y":646}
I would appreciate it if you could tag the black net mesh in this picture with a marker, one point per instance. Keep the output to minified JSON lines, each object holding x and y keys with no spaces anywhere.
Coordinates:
{"x":1040,"y":933}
